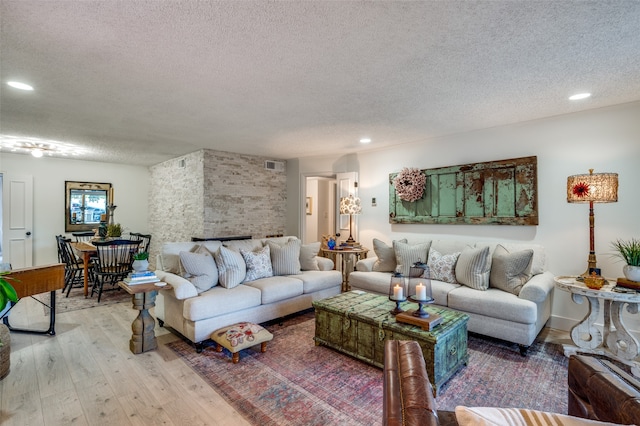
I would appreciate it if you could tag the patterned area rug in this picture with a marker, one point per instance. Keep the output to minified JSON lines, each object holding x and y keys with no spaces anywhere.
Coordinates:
{"x":77,"y":301}
{"x":298,"y":383}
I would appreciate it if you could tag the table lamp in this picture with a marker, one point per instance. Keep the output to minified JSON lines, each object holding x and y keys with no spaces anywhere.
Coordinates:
{"x":350,"y":205}
{"x":592,"y":188}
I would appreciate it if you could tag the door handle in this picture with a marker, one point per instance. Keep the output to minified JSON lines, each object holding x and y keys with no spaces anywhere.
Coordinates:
{"x":28,"y":233}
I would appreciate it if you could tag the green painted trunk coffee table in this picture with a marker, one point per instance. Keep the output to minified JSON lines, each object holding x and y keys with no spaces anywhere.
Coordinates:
{"x":358,"y":323}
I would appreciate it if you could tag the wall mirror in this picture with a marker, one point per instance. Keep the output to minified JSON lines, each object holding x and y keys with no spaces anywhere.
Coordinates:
{"x":85,"y":203}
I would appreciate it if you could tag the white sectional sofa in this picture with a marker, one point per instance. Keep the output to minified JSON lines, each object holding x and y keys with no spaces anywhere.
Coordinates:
{"x":503,"y":287}
{"x":239,"y":292}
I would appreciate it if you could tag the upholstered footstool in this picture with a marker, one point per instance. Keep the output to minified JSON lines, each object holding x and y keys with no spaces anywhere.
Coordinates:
{"x":240,"y":336}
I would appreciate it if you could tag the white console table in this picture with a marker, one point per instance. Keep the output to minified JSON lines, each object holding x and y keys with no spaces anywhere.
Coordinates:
{"x":614,"y":340}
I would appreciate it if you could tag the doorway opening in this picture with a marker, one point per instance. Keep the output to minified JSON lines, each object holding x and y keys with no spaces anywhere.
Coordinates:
{"x":319,"y":208}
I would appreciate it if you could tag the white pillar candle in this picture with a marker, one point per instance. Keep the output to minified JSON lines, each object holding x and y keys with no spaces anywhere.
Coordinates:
{"x":397,"y":292}
{"x":421,"y":292}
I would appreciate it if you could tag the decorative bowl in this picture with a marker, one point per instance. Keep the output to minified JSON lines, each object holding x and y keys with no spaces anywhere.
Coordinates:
{"x":594,"y":283}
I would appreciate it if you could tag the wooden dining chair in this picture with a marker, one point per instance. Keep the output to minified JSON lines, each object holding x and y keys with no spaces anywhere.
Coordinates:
{"x":83,"y":236}
{"x":145,"y":241}
{"x":112,"y":263}
{"x":73,"y":269}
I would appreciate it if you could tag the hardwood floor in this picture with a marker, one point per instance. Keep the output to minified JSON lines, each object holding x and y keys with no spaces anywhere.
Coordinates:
{"x":86,"y":375}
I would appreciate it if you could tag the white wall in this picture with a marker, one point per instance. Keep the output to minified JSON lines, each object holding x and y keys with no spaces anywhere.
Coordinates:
{"x":607,"y":140}
{"x":130,"y":183}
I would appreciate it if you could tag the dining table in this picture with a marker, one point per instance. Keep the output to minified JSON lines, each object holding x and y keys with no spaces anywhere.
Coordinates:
{"x":86,"y":250}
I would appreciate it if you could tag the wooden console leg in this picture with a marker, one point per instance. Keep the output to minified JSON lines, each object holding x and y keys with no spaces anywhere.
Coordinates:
{"x":236,"y":357}
{"x":263,"y":347}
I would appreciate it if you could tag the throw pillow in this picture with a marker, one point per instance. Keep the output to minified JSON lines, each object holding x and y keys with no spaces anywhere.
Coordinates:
{"x":473,"y":267}
{"x":285,"y":258}
{"x":231,"y":267}
{"x":493,"y":416}
{"x":308,"y":256}
{"x":258,"y":263}
{"x":510,"y":271}
{"x":386,"y":256}
{"x":200,"y":269}
{"x":443,"y":266}
{"x":407,"y":255}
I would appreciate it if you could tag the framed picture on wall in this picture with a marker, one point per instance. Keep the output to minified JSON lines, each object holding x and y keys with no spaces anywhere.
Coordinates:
{"x":309,"y":205}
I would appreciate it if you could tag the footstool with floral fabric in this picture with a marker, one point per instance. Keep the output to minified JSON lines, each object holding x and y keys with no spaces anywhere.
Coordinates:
{"x":240,"y":336}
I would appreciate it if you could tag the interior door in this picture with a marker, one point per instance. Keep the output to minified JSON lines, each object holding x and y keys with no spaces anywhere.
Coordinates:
{"x":17,"y":221}
{"x":347,"y":184}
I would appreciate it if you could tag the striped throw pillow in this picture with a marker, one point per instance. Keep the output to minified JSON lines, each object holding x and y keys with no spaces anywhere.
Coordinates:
{"x":473,"y":267}
{"x":285,"y":259}
{"x":231,"y":267}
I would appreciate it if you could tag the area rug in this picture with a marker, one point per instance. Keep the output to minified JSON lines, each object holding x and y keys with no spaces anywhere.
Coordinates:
{"x":77,"y":301}
{"x":298,"y":383}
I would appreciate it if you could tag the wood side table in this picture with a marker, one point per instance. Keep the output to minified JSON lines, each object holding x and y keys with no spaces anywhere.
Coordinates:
{"x":616,"y":342}
{"x":143,"y":337}
{"x":348,"y":259}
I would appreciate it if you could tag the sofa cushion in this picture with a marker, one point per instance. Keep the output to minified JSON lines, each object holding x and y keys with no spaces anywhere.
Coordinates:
{"x":309,"y":256}
{"x":313,"y":281}
{"x":493,"y":303}
{"x":219,"y":301}
{"x":443,"y":266}
{"x":274,"y":289}
{"x":510,"y":271}
{"x":170,"y":253}
{"x":258,"y":263}
{"x":386,"y":261}
{"x":231,"y":267}
{"x":407,"y":255}
{"x":200,"y":269}
{"x":473,"y":267}
{"x":285,"y":258}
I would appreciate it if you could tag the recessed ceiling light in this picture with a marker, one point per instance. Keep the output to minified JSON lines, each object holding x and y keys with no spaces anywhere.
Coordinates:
{"x":365,"y":140}
{"x":18,"y":85}
{"x":579,"y":96}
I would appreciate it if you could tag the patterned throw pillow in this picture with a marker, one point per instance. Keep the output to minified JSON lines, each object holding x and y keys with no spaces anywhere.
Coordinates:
{"x":258,"y":263}
{"x":407,"y":255}
{"x":386,"y":256}
{"x":443,"y":266}
{"x":231,"y":267}
{"x":285,"y":259}
{"x":473,"y":267}
{"x":200,"y":269}
{"x":510,"y":271}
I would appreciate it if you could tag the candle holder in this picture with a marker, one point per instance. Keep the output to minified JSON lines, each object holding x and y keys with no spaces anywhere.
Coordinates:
{"x":421,"y":313}
{"x":420,"y":290}
{"x":397,"y":292}
{"x":111,"y":209}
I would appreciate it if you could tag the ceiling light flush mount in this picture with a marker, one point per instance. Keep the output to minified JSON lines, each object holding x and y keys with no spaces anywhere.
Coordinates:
{"x":19,"y":85}
{"x":579,"y":96}
{"x":365,"y":140}
{"x":37,"y":147}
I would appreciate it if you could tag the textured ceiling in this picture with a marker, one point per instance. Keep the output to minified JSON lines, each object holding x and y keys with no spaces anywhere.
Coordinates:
{"x":139,"y":82}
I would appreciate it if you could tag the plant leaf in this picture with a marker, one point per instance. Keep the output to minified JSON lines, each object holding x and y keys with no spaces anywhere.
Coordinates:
{"x":8,"y":291}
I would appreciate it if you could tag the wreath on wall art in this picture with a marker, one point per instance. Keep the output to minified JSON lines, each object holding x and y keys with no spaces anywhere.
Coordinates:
{"x":409,"y":184}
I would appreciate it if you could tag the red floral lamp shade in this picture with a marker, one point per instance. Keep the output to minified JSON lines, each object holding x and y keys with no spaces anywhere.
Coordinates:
{"x":596,"y":187}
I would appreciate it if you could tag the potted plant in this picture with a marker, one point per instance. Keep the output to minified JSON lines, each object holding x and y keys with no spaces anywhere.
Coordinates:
{"x":7,"y":294}
{"x":629,"y":251}
{"x":114,"y":230}
{"x":140,"y":261}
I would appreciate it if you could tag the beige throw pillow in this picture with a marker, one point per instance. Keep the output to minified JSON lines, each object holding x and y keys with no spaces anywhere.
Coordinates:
{"x":510,"y":271}
{"x":285,"y":258}
{"x":231,"y":267}
{"x":308,"y":256}
{"x":492,"y":416}
{"x":200,"y":269}
{"x":443,"y":266}
{"x":473,"y":267}
{"x":386,"y":256}
{"x":407,"y":255}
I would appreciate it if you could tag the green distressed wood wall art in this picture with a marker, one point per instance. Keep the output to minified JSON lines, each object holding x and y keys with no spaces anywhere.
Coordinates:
{"x":503,"y":192}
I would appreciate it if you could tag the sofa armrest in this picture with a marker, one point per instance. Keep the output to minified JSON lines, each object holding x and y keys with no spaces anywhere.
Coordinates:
{"x":538,"y":288}
{"x":366,"y":265}
{"x":407,"y":393}
{"x":182,"y":288}
{"x":325,"y":264}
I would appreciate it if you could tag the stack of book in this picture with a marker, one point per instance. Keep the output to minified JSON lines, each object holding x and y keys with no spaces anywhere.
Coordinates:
{"x":144,"y":277}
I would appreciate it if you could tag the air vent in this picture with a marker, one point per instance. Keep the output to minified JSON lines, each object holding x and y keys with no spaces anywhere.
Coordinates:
{"x":277,"y":166}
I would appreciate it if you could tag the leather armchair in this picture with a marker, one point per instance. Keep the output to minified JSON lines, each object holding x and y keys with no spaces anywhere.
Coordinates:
{"x":599,"y":390}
